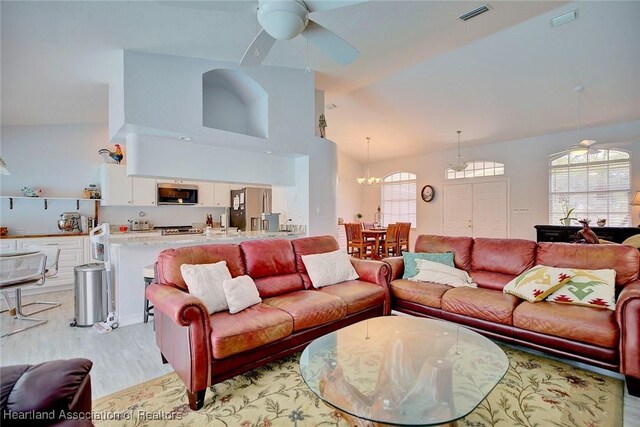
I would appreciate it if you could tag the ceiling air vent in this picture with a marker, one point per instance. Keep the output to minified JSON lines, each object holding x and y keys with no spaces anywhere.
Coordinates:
{"x":475,"y":12}
{"x":565,"y":18}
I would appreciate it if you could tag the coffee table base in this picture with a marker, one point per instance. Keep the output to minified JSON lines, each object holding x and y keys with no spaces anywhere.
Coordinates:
{"x":357,"y":422}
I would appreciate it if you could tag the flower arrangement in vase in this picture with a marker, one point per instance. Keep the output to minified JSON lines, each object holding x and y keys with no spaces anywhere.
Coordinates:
{"x":566,"y":220}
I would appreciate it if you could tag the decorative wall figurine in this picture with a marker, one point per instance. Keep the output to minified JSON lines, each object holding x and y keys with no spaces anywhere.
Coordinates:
{"x":322,"y":125}
{"x":115,"y":155}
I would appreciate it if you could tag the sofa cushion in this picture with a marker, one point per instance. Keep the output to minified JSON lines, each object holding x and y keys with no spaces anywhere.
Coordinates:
{"x":537,"y":282}
{"x":410,"y":258}
{"x":272,"y":265}
{"x":507,"y":256}
{"x":310,"y":308}
{"x":170,"y":260}
{"x":257,"y":325}
{"x":624,"y":259}
{"x":585,"y":324}
{"x":429,"y":294}
{"x":490,"y":279}
{"x":435,"y":272}
{"x":311,"y":246}
{"x":240,"y":292}
{"x":329,"y":268}
{"x":460,"y":246}
{"x":205,"y":282}
{"x":593,"y":288}
{"x":358,"y":295}
{"x":485,"y":304}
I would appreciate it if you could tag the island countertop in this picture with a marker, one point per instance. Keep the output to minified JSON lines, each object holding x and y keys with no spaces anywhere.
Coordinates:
{"x":198,"y":239}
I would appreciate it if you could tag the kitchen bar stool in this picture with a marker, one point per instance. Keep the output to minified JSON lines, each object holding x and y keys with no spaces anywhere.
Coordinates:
{"x":149,"y":274}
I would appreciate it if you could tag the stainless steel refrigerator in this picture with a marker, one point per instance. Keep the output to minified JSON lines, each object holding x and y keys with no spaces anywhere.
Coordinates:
{"x":248,"y":206}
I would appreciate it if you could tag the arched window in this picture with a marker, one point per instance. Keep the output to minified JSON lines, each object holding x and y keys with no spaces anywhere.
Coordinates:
{"x":595,"y":183}
{"x":476,"y":169}
{"x":398,"y":198}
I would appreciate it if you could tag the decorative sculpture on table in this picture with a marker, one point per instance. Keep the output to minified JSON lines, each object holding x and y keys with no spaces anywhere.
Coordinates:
{"x":587,"y":233}
{"x":322,"y":125}
{"x":115,"y":155}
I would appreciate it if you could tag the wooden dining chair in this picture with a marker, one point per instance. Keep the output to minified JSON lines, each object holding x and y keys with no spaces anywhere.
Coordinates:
{"x":356,"y":245}
{"x":403,"y":237}
{"x":390,"y":244}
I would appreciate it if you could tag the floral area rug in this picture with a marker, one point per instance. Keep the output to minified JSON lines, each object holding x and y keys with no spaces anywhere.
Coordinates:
{"x":535,"y":391}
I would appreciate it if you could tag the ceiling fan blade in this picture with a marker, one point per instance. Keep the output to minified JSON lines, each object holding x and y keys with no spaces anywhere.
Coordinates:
{"x":221,"y":6}
{"x":261,"y":45}
{"x":321,"y":5}
{"x":330,"y":43}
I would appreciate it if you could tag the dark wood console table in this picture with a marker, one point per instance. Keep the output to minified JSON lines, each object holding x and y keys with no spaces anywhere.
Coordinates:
{"x":560,"y":233}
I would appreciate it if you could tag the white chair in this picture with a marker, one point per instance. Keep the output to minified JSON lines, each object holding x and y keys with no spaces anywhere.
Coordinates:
{"x":17,"y":272}
{"x":53,"y":256}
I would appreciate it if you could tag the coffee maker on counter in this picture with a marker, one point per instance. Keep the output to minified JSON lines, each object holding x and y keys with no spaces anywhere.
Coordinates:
{"x":69,"y":222}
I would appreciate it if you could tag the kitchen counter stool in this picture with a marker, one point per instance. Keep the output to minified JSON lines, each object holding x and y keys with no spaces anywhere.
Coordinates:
{"x":149,"y":274}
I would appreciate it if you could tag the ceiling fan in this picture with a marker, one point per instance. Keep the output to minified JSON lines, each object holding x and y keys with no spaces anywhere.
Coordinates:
{"x":583,"y":144}
{"x":284,"y":20}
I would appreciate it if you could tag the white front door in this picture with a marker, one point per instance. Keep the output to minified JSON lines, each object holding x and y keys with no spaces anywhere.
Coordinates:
{"x":490,"y":209}
{"x":458,"y":210}
{"x":476,"y":210}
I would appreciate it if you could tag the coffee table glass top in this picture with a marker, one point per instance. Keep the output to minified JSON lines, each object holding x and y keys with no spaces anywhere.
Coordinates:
{"x":402,"y":370}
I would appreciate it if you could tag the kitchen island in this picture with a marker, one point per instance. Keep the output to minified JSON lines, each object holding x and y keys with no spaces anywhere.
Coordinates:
{"x":130,"y":254}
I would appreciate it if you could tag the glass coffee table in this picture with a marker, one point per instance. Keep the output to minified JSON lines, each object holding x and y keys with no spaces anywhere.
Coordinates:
{"x":406,"y":371}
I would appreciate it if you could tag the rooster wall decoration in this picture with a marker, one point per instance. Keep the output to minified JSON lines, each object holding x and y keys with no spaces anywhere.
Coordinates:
{"x":115,"y":155}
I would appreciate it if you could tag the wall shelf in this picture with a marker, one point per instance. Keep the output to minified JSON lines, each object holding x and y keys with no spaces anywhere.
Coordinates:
{"x":46,"y":201}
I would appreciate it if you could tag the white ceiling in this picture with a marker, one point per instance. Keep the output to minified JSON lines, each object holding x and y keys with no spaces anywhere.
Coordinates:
{"x":422,"y":73}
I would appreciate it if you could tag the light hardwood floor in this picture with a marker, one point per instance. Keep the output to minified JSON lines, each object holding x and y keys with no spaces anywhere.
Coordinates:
{"x":128,"y":355}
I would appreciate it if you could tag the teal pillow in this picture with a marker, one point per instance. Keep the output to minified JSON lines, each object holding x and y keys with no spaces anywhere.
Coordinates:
{"x":410,"y":258}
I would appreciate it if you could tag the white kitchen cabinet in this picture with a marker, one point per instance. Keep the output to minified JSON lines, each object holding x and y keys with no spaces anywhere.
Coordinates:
{"x":8,"y":245}
{"x":118,"y":189}
{"x":72,"y":254}
{"x":115,"y":185}
{"x":174,"y":181}
{"x":143,"y":191}
{"x":206,"y":196}
{"x":222,"y":195}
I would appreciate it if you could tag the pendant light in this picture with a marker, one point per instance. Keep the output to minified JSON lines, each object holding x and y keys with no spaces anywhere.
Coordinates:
{"x":583,"y":144}
{"x":461,"y":165}
{"x":368,"y":180}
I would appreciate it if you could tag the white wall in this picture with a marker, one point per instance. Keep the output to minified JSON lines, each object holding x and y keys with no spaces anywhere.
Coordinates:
{"x":526,"y":168}
{"x":350,"y":193}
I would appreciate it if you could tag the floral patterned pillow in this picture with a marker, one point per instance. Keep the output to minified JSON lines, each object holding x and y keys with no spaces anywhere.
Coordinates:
{"x":536,"y":283}
{"x":593,"y":288}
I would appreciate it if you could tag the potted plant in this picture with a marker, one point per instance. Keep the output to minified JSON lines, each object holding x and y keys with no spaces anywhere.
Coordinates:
{"x":566,"y":220}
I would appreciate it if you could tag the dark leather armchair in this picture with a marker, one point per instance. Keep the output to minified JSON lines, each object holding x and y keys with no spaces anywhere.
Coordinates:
{"x":51,"y":393}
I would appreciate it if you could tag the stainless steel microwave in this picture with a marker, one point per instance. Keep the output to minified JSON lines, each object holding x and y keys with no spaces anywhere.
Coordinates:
{"x":177,"y":194}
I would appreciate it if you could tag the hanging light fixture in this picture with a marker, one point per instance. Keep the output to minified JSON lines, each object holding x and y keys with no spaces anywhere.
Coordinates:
{"x":368,"y":180}
{"x":461,"y":165}
{"x":583,"y":144}
{"x":3,"y":168}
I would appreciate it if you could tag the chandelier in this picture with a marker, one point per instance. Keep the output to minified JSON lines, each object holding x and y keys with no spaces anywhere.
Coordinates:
{"x":460,"y":166}
{"x":369,"y":180}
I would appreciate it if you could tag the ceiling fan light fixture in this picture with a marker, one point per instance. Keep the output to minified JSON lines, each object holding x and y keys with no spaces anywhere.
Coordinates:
{"x":283,"y":20}
{"x":584,"y":145}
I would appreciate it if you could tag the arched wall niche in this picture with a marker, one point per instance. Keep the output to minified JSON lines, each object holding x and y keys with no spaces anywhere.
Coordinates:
{"x":234,"y":102}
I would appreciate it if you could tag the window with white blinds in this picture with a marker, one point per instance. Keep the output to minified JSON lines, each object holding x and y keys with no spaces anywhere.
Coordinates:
{"x":596,"y":184}
{"x":399,"y":198}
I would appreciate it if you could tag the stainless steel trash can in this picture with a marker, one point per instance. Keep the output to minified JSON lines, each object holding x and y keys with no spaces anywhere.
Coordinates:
{"x":90,"y":294}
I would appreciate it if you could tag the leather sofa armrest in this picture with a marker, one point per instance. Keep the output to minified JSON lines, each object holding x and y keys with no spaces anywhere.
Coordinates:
{"x":376,"y":272}
{"x":63,"y":386}
{"x":397,"y":267}
{"x":183,"y":335}
{"x":628,"y":319}
{"x":181,"y":307}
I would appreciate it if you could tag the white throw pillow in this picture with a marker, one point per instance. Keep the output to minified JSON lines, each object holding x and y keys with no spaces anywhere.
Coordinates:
{"x":241,"y":293}
{"x":329,"y":268}
{"x":205,"y":282}
{"x":430,"y":271}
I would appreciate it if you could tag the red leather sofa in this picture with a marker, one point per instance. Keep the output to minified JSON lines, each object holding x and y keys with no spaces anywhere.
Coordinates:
{"x":206,"y":349}
{"x":55,"y":393}
{"x":600,"y":337}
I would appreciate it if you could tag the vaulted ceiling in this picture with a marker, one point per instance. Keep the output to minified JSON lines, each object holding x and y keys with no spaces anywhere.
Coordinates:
{"x":422,"y":73}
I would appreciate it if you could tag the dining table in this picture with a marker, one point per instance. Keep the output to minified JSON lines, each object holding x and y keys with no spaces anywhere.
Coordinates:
{"x":378,"y":235}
